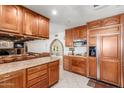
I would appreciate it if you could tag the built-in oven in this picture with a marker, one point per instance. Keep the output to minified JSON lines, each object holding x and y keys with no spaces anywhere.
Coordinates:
{"x":92,"y":51}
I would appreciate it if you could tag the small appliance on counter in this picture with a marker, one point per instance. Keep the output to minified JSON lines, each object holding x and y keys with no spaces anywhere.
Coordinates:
{"x":72,"y":50}
{"x":19,"y":48}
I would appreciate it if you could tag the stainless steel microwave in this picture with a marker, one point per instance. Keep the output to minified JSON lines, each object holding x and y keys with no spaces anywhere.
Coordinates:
{"x":79,"y":43}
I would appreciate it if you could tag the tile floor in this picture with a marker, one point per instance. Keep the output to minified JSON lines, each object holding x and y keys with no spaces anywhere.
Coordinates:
{"x":71,"y":80}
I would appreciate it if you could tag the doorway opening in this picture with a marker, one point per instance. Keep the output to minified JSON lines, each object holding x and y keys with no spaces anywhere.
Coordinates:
{"x":56,"y":48}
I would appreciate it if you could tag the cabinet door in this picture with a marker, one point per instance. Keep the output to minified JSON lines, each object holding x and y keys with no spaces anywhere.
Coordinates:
{"x":92,"y":67}
{"x":109,"y":59}
{"x":53,"y":72}
{"x":95,"y":24}
{"x":13,"y":80}
{"x":68,"y":38}
{"x":30,"y":23}
{"x":76,"y":32}
{"x":111,"y":21}
{"x":92,"y":41}
{"x":78,"y":66}
{"x":67,"y":63}
{"x":83,"y":32}
{"x":11,"y":18}
{"x":43,"y":27}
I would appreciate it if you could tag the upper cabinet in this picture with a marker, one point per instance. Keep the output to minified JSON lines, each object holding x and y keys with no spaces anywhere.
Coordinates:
{"x":43,"y":27}
{"x":68,"y":38}
{"x":19,"y":20}
{"x":94,"y":24}
{"x":30,"y":22}
{"x":76,"y":33}
{"x":114,"y":20}
{"x":83,"y":32}
{"x":11,"y":18}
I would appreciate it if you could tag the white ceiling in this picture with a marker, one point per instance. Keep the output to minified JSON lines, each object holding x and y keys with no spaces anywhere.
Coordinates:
{"x":75,"y":15}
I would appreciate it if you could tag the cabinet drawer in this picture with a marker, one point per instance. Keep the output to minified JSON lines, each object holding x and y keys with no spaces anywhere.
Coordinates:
{"x":42,"y":84}
{"x":36,"y":80}
{"x":36,"y":69}
{"x":111,"y":21}
{"x":37,"y":74}
{"x":12,"y":74}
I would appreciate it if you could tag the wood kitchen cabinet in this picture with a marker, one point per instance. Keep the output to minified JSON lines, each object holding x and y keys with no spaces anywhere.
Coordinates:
{"x":92,"y":67}
{"x":83,"y":32}
{"x":67,"y":63}
{"x":79,"y":65}
{"x":92,"y":41}
{"x":20,"y":20}
{"x":37,"y":77}
{"x":111,"y":20}
{"x":11,"y":18}
{"x":68,"y":38}
{"x":30,"y":22}
{"x":13,"y":80}
{"x":75,"y":64}
{"x":76,"y":32}
{"x":94,"y":24}
{"x":43,"y":27}
{"x":53,"y":72}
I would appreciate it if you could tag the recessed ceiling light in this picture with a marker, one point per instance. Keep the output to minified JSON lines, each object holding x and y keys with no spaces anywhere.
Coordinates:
{"x":54,"y":12}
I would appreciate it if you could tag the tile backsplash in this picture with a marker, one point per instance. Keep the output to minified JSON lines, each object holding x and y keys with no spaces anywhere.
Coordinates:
{"x":78,"y":50}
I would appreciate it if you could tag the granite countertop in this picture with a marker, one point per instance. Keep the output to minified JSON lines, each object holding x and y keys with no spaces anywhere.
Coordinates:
{"x":14,"y":66}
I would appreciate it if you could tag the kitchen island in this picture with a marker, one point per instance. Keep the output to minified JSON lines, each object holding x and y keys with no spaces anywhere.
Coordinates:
{"x":35,"y":73}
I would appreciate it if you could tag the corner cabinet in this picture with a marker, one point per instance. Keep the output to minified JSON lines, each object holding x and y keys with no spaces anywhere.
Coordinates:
{"x":30,"y":22}
{"x":11,"y":18}
{"x":53,"y":72}
{"x":13,"y":80}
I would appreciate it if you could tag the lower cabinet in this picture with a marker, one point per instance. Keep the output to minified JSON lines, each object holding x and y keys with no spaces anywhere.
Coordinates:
{"x":37,"y":77}
{"x":53,"y":72}
{"x":78,"y":65}
{"x":67,"y":63}
{"x":13,"y":80}
{"x":92,"y":67}
{"x":42,"y":76}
